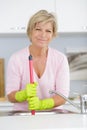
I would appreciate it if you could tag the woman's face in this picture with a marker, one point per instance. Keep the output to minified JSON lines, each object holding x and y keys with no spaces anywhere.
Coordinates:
{"x":42,"y":34}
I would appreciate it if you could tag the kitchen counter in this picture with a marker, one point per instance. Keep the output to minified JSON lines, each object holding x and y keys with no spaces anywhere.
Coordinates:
{"x":5,"y":105}
{"x":44,"y":122}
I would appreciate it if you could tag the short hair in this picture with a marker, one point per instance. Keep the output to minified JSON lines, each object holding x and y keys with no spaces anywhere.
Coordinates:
{"x":44,"y":17}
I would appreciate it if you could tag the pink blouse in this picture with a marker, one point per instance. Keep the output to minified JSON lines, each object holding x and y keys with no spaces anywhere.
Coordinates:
{"x":55,"y":77}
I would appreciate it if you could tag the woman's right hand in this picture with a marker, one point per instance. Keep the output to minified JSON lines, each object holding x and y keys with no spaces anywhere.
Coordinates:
{"x":31,"y":89}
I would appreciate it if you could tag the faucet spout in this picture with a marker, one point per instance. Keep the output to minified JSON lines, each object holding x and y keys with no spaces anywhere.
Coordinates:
{"x":64,"y":97}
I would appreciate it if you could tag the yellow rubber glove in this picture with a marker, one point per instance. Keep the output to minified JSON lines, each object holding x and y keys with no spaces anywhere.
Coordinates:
{"x":36,"y":104}
{"x":29,"y":91}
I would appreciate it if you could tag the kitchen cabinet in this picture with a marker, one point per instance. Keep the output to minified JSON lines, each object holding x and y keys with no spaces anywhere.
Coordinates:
{"x":15,"y":14}
{"x":72,"y":15}
{"x":2,"y":77}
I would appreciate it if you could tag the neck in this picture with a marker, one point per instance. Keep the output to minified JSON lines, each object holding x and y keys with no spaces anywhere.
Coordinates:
{"x":38,"y":52}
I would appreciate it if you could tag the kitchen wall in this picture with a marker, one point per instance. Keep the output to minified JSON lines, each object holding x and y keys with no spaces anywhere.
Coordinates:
{"x":12,"y":43}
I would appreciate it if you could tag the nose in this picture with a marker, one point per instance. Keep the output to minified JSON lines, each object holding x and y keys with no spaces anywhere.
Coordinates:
{"x":42,"y":34}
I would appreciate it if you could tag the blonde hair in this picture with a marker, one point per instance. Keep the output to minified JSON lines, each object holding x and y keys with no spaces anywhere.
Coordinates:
{"x":42,"y":16}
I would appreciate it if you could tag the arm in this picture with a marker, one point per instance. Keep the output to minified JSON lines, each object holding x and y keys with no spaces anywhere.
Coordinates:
{"x":13,"y":81}
{"x":36,"y":104}
{"x":11,"y":97}
{"x":62,"y":81}
{"x":58,"y":101}
{"x":22,"y":95}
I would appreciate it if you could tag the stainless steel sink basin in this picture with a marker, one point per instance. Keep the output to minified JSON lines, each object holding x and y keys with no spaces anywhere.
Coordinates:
{"x":28,"y":113}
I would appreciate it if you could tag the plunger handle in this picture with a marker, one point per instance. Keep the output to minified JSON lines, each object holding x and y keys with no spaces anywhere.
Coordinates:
{"x":31,"y":76}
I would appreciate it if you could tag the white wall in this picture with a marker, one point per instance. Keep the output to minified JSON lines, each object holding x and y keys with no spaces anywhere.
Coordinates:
{"x":10,"y":44}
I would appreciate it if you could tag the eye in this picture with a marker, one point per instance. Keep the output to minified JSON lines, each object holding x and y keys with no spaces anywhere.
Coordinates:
{"x":38,"y":29}
{"x":48,"y":31}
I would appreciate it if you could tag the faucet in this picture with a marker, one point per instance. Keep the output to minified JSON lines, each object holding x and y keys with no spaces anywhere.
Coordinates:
{"x":83,"y":101}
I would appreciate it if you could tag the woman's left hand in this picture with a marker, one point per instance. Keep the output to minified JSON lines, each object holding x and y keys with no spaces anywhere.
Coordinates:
{"x":34,"y":103}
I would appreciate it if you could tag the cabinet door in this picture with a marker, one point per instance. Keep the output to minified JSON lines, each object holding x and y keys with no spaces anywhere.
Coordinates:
{"x":2,"y":93}
{"x":15,"y":14}
{"x":72,"y":15}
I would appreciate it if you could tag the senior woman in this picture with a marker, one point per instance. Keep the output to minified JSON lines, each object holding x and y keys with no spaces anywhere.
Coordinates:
{"x":50,"y":68}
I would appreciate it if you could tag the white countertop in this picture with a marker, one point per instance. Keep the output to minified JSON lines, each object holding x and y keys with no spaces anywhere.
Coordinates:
{"x":5,"y":103}
{"x":44,"y":122}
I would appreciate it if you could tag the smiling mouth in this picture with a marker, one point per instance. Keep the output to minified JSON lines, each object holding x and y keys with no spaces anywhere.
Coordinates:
{"x":42,"y":40}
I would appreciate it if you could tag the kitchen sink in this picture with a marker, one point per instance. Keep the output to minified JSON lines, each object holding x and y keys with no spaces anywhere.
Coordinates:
{"x":28,"y":113}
